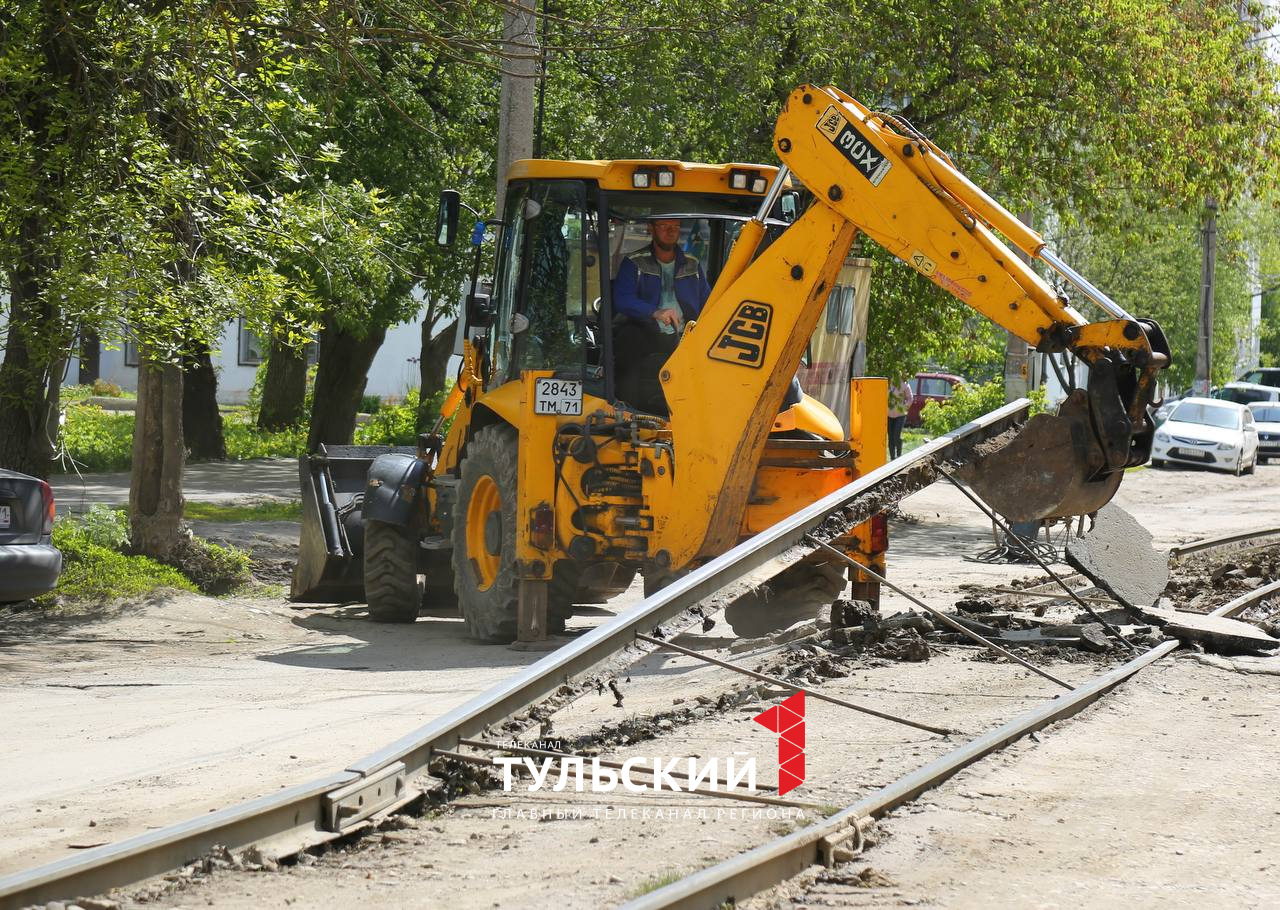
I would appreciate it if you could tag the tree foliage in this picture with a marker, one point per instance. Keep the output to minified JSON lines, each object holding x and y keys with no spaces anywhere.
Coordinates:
{"x":171,"y":165}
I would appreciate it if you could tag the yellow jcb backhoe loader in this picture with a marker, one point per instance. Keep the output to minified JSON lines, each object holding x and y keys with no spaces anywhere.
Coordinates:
{"x":575,"y":460}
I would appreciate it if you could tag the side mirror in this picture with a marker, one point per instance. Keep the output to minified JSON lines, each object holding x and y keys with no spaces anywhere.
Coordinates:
{"x":447,"y":217}
{"x":788,"y":207}
{"x":479,"y":310}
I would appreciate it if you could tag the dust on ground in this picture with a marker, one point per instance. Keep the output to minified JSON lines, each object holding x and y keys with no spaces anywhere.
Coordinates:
{"x":1155,"y":796}
{"x":143,"y":723}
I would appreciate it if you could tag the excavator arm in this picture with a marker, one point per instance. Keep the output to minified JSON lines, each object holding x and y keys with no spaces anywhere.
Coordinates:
{"x":875,"y":174}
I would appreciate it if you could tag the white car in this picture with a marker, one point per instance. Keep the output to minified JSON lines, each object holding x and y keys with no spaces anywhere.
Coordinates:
{"x":1209,"y":432}
{"x":1266,"y":416}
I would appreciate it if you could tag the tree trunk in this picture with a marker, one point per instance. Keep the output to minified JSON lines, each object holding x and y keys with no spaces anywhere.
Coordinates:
{"x":90,"y":357}
{"x":36,"y":340}
{"x":27,"y":376}
{"x":201,"y":419}
{"x":340,"y":380}
{"x":155,"y":483}
{"x":433,"y":364}
{"x":284,"y":388}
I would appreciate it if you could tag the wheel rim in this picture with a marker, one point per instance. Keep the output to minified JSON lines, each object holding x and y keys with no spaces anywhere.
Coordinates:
{"x":485,"y":507}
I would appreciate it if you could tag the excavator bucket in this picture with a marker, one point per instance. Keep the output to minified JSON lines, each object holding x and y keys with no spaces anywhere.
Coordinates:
{"x":1053,"y":468}
{"x":331,"y":546}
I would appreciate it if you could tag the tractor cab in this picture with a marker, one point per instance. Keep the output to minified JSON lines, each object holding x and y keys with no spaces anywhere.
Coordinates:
{"x":568,"y":228}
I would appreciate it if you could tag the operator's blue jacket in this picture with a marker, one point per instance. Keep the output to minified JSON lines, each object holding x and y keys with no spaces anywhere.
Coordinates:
{"x":637,"y":291}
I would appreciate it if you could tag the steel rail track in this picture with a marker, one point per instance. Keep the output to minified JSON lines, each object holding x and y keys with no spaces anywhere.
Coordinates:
{"x":749,"y":873}
{"x":1210,"y":543}
{"x":338,"y":803}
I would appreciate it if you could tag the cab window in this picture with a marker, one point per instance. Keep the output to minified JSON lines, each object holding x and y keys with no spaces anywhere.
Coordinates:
{"x":549,"y":278}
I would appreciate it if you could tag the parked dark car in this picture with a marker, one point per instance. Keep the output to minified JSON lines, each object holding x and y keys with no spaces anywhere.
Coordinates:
{"x":926,"y":387}
{"x":1262,"y":376}
{"x":29,"y":562}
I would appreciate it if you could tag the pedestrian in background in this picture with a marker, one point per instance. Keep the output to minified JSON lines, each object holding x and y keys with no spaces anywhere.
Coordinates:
{"x":899,"y":403}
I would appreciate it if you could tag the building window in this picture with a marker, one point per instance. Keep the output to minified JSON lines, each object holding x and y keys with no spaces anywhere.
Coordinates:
{"x":840,"y":311}
{"x":131,"y":358}
{"x":251,"y":350}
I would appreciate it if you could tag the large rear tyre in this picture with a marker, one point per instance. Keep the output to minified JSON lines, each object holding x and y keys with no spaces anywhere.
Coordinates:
{"x":484,"y":536}
{"x":391,"y":583}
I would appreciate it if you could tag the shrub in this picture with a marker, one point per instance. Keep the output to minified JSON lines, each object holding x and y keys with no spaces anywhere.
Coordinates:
{"x":213,"y":569}
{"x":968,"y":403}
{"x":106,"y":527}
{"x":370,"y":404}
{"x":392,"y":424}
{"x":107,"y":389}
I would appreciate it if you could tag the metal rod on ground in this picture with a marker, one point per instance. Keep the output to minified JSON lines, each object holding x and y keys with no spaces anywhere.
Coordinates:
{"x":727,"y":794}
{"x":938,"y":614}
{"x":603,"y":763}
{"x":999,"y":522}
{"x":1049,"y":594}
{"x":809,"y":693}
{"x":755,"y":870}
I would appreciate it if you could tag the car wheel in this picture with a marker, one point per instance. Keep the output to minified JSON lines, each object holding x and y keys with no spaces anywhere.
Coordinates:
{"x":1252,"y":465}
{"x":1158,"y":462}
{"x":1240,"y":465}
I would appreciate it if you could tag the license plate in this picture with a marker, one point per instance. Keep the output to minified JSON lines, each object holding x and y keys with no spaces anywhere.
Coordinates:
{"x":1188,"y":453}
{"x":557,"y":396}
{"x":5,"y":518}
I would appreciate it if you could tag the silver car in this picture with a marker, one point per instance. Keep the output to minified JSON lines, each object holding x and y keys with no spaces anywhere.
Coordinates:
{"x":1266,"y":415}
{"x":29,"y":562}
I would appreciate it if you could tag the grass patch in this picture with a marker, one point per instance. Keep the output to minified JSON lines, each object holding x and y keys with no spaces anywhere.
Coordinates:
{"x":96,"y":565}
{"x":913,"y":439}
{"x":92,"y":571}
{"x":98,"y":440}
{"x":653,"y":884}
{"x":280,"y":510}
{"x":246,"y":441}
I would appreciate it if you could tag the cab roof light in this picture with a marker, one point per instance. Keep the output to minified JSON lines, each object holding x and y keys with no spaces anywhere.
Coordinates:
{"x":640,"y":179}
{"x":666,"y":177}
{"x":748,"y":180}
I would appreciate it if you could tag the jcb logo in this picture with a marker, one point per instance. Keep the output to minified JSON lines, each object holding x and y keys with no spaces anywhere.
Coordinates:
{"x":745,"y":336}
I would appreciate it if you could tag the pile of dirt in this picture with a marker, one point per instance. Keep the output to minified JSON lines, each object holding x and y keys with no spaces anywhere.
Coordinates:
{"x":1202,"y":582}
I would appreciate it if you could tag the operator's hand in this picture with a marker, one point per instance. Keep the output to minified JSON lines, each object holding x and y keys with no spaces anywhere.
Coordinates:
{"x":668,"y":317}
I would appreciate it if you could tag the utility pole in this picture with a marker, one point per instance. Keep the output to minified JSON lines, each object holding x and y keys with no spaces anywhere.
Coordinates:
{"x":1204,"y":337}
{"x":520,"y":55}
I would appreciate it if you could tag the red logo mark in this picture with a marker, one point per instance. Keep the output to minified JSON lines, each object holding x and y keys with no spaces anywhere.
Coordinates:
{"x":787,"y":720}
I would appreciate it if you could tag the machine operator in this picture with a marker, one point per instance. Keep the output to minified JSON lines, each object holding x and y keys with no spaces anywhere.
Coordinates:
{"x":658,"y":289}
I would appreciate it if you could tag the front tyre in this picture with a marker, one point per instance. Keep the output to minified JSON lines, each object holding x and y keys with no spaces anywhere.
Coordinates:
{"x":391,"y":583}
{"x":484,"y":535}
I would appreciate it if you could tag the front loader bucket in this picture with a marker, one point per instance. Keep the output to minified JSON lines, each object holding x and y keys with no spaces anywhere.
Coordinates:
{"x":331,"y":546}
{"x":1054,"y":468}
